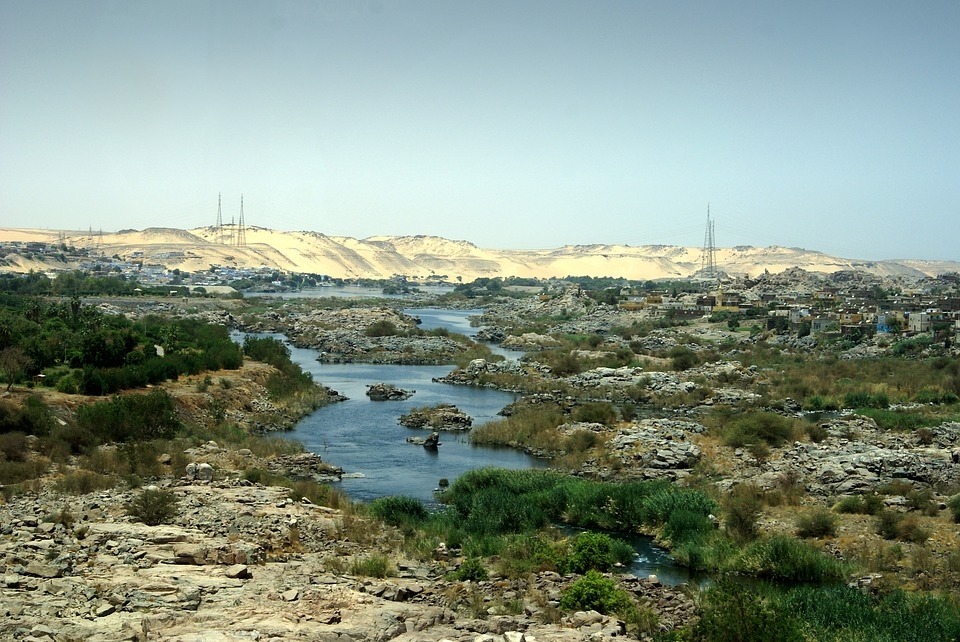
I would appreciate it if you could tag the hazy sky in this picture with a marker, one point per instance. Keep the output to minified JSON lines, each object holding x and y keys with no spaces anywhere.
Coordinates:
{"x":830,"y":125}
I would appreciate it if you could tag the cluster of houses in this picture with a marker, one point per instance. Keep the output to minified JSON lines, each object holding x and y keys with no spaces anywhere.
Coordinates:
{"x":829,"y":311}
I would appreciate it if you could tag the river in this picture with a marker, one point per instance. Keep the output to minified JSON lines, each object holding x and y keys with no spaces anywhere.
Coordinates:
{"x":364,"y":438}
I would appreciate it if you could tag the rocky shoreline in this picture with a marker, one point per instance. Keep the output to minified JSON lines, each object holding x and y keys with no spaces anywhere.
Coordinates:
{"x":246,"y":561}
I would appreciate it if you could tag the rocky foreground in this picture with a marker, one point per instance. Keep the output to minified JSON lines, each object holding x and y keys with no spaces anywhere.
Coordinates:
{"x":242,"y":561}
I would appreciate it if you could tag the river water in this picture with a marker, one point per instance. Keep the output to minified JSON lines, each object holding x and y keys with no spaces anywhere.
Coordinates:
{"x":364,"y":438}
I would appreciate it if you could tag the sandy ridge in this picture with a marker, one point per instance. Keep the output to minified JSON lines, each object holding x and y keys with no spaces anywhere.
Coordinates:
{"x":432,"y":256}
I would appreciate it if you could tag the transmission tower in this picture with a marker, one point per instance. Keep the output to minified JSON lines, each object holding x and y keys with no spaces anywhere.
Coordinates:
{"x":219,"y":232}
{"x":241,"y":229}
{"x":708,"y":262}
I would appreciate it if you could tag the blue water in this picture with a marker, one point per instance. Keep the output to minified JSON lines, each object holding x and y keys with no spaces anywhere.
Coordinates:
{"x":364,"y":438}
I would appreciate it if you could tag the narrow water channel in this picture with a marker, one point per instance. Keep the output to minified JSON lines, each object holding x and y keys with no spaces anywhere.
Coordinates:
{"x":365,"y":439}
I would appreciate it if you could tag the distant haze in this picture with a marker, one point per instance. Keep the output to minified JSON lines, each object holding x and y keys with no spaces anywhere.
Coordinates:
{"x":831,"y":126}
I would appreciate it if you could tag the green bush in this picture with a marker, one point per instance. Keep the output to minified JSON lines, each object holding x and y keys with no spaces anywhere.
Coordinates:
{"x":132,"y":417}
{"x":532,"y":553}
{"x":398,"y":510}
{"x":600,"y":412}
{"x":594,"y":592}
{"x":911,"y":346}
{"x":382,"y":328}
{"x":741,"y":510}
{"x":154,"y":506}
{"x":783,"y":558}
{"x":954,"y":505}
{"x":759,"y":427}
{"x":685,"y":525}
{"x":843,"y":613}
{"x":372,"y":566}
{"x":922,"y":501}
{"x":732,"y":612}
{"x":860,"y":504}
{"x":861,"y":399}
{"x":497,"y":501}
{"x":820,"y":403}
{"x":909,"y":529}
{"x":816,"y":523}
{"x":591,"y":551}
{"x":935,"y":396}
{"x":682,"y":358}
{"x":897,"y":420}
{"x":471,"y":570}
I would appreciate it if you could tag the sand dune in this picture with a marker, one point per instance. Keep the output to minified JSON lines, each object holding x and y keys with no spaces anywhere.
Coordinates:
{"x":426,"y":256}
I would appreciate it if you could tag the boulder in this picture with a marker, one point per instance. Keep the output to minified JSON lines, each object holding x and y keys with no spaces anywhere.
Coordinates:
{"x":387,"y":392}
{"x":439,"y":417}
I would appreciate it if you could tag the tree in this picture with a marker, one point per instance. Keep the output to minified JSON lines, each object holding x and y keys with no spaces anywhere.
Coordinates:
{"x":13,"y":364}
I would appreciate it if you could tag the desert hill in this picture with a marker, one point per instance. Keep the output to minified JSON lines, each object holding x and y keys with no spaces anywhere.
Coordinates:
{"x":431,"y":256}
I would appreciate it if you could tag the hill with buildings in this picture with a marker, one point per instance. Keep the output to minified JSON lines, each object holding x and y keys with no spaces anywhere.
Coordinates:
{"x":416,"y":257}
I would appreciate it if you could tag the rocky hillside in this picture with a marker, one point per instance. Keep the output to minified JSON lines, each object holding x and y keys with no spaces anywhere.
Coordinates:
{"x":426,"y":256}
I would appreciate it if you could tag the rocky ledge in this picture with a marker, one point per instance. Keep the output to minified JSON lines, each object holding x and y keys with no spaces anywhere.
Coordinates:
{"x":245,"y":561}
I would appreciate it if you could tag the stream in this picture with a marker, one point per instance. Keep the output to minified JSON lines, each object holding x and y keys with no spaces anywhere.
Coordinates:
{"x":365,"y":439}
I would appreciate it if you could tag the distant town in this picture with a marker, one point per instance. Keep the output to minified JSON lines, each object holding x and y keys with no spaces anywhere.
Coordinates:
{"x":844,"y":304}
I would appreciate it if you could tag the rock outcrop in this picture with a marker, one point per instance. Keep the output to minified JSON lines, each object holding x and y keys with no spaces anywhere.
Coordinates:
{"x":387,"y":392}
{"x":440,"y":417}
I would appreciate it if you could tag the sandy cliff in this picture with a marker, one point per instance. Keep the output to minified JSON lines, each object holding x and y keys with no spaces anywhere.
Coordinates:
{"x":425,"y":256}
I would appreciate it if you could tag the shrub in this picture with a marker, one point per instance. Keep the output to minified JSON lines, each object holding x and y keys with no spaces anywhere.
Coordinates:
{"x":909,"y":529}
{"x":82,"y":482}
{"x":860,"y":504}
{"x":14,"y":472}
{"x":591,"y":551}
{"x":372,"y":566}
{"x":816,"y":523}
{"x":742,"y":509}
{"x":471,"y":570}
{"x":817,"y":433}
{"x":153,"y":506}
{"x":382,"y":328}
{"x":954,"y":505}
{"x":887,"y":522}
{"x":759,"y":427}
{"x":531,"y":553}
{"x":398,"y":510}
{"x":906,"y":528}
{"x":594,"y":592}
{"x":785,"y":558}
{"x":579,"y":442}
{"x":734,"y":613}
{"x":317,"y":493}
{"x":922,"y":501}
{"x":132,"y":417}
{"x":820,"y":403}
{"x":862,"y":399}
{"x":682,"y":358}
{"x":599,"y":412}
{"x":684,"y":525}
{"x":13,"y":447}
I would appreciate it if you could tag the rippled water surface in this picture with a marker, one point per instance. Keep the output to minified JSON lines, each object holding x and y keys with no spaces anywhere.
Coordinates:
{"x":364,"y":438}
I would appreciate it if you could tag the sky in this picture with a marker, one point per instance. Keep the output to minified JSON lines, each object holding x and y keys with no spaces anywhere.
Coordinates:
{"x":523,"y":124}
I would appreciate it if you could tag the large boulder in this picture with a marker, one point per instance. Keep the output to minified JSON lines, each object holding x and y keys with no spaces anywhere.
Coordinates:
{"x":387,"y":392}
{"x":440,"y":417}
